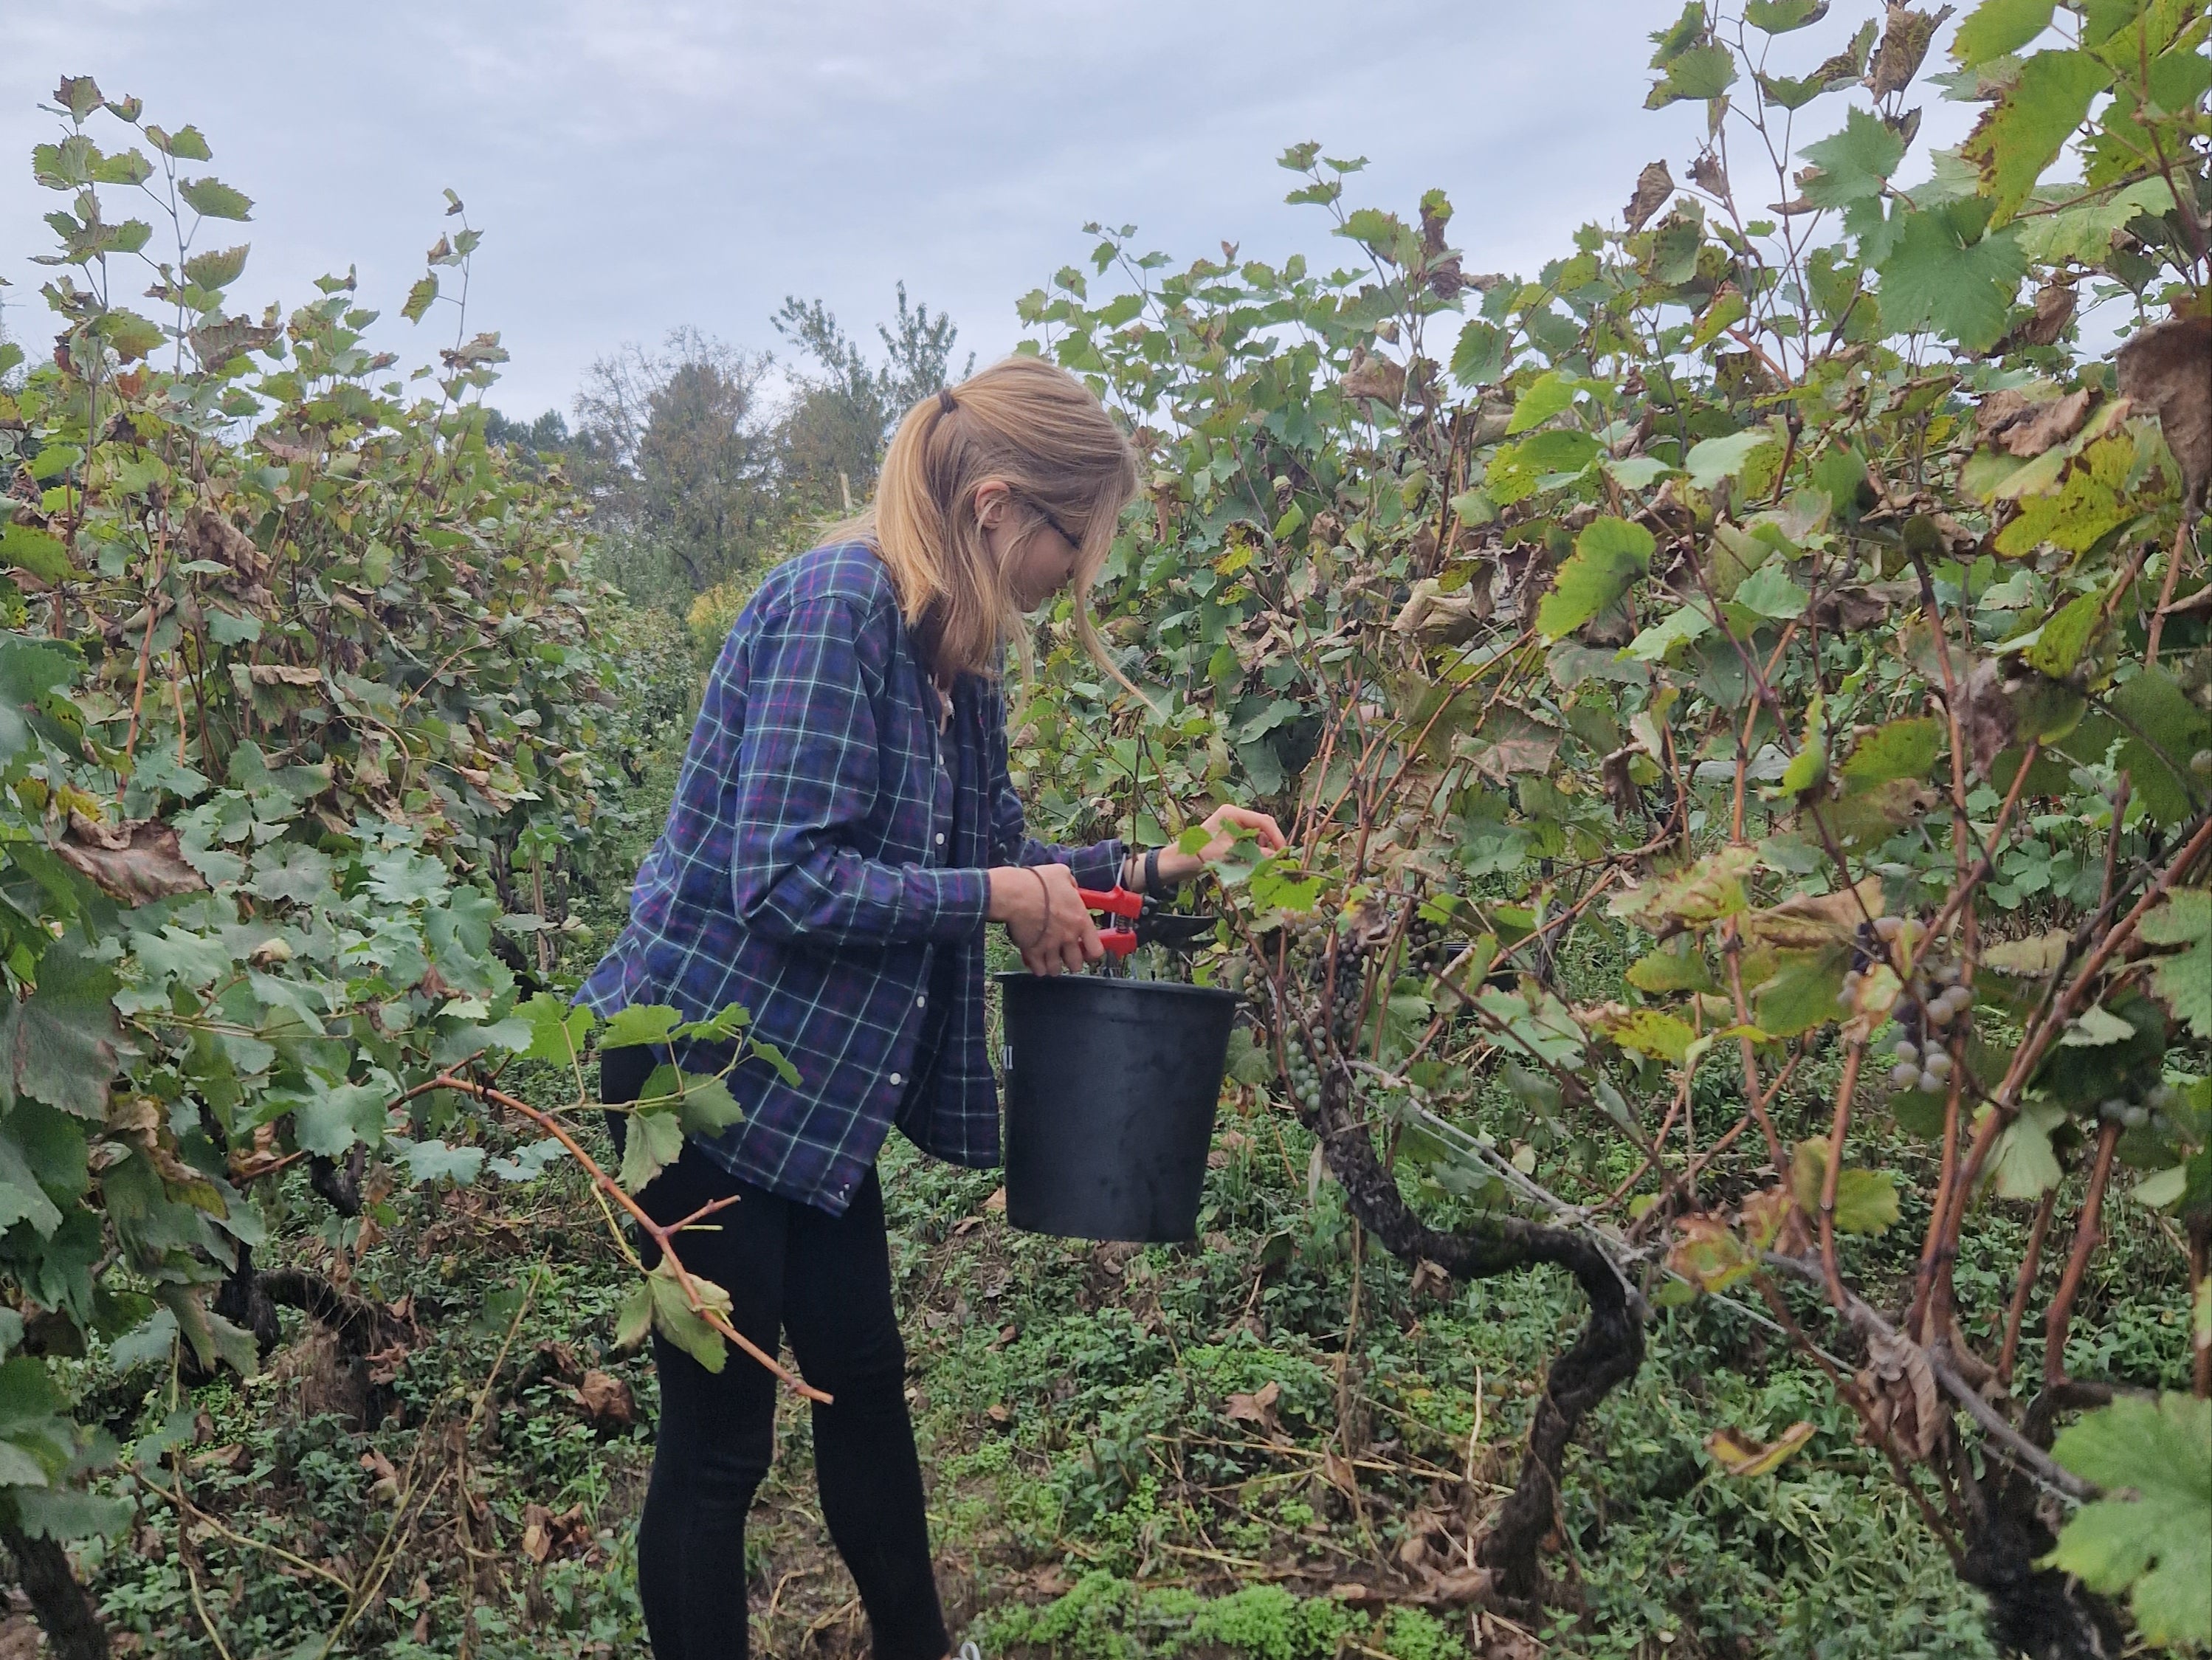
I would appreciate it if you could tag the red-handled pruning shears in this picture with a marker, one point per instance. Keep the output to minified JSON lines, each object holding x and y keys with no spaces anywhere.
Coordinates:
{"x":1154,"y":926}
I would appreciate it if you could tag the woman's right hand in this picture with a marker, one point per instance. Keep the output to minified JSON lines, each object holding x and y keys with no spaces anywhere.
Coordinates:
{"x":1043,"y":911}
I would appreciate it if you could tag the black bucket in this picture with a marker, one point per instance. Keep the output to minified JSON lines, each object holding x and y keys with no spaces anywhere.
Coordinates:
{"x":1110,"y":1089}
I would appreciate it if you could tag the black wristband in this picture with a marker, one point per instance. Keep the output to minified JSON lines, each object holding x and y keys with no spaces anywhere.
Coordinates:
{"x":1151,"y":870}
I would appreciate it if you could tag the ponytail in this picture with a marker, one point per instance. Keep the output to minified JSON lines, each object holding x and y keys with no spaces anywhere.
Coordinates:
{"x":1039,"y":430}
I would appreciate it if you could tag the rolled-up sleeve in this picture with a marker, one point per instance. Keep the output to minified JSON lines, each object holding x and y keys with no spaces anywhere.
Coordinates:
{"x":807,"y":773}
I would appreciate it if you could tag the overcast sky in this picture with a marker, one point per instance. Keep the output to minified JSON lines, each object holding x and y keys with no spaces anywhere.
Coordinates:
{"x":638,"y":167}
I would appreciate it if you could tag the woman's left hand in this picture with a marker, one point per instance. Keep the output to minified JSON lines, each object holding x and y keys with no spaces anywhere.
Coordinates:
{"x":1222,"y":825}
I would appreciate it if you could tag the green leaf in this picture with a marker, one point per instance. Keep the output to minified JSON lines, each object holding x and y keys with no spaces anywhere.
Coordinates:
{"x":2156,"y":1546}
{"x":213,"y":199}
{"x":1943,"y":273}
{"x":708,"y":1108}
{"x":634,"y":1320}
{"x":2184,"y":981}
{"x":1902,"y":749}
{"x":2058,"y":644}
{"x":777,"y":1061}
{"x":1704,"y":71}
{"x":679,"y":1323}
{"x":1769,"y":592}
{"x":1711,"y":459}
{"x":432,"y":1161}
{"x":330,"y":1121}
{"x":18,"y":1468}
{"x":1609,"y":555}
{"x":654,"y":1141}
{"x":1653,"y":1032}
{"x":1782,"y":16}
{"x":2018,"y":139}
{"x":187,"y":144}
{"x":1866,"y":1201}
{"x":21,"y":1198}
{"x":1478,"y":359}
{"x":1677,"y":967}
{"x":64,"y":1040}
{"x":419,"y":299}
{"x":2165,"y":730}
{"x":218,"y":269}
{"x":1854,"y":164}
{"x":2023,"y":1165}
{"x":1551,"y":393}
{"x":2091,"y":500}
{"x":33,"y":550}
{"x":1809,"y":766}
{"x":1997,"y":27}
{"x":1801,"y":992}
{"x":1679,"y":627}
{"x":641,"y":1023}
{"x":557,"y":1031}
{"x":66,"y":1514}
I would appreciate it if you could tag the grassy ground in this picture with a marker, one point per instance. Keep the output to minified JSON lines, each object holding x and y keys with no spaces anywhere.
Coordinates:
{"x":1171,"y":1449}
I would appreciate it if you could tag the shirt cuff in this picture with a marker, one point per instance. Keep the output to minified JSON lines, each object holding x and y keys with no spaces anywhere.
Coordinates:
{"x":1098,"y":866}
{"x":959,"y":902}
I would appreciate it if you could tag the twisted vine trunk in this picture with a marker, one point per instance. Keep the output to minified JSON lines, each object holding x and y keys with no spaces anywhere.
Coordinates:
{"x":64,"y":1607}
{"x":1607,"y":1353}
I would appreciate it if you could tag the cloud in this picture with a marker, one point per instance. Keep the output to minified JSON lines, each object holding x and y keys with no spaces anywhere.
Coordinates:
{"x":641,"y":166}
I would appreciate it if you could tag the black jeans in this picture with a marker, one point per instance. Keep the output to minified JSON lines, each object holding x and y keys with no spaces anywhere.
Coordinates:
{"x":826,"y":1281}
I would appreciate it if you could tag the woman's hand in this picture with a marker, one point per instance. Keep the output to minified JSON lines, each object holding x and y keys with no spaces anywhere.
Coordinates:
{"x":1044,"y":914}
{"x":1179,"y":866}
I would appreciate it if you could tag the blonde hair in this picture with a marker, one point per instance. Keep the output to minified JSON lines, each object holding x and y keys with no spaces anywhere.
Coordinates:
{"x":1038,"y":429}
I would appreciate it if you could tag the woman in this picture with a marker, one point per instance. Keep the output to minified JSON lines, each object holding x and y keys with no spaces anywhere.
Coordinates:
{"x":842,"y":832}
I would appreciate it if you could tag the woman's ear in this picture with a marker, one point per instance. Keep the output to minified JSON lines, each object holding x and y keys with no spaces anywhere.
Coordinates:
{"x":991,"y":497}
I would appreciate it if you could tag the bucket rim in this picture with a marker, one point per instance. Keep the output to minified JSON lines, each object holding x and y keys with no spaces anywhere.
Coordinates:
{"x":1023,"y":976}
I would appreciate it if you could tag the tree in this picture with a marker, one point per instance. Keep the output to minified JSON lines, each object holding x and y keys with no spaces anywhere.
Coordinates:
{"x":842,"y":413}
{"x":677,"y":455}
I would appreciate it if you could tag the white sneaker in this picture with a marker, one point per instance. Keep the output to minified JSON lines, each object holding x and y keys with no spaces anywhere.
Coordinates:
{"x":970,"y":1651}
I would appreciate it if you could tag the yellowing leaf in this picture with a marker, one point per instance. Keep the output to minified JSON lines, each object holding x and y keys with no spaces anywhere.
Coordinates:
{"x":1652,"y":1032}
{"x":2022,"y":135}
{"x":1698,"y":894}
{"x":1903,"y":748}
{"x":1739,"y":1455}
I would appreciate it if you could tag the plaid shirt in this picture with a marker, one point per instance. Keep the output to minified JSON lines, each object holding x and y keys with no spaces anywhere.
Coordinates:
{"x":824,"y":865}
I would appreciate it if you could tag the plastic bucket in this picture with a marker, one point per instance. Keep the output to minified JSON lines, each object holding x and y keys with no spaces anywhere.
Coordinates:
{"x":1110,"y":1091}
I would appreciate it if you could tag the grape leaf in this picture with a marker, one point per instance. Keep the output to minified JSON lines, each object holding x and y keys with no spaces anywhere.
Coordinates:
{"x":1609,"y":555}
{"x":1942,"y":272}
{"x":2157,"y":1546}
{"x":556,"y":1031}
{"x":680,"y":1323}
{"x":2184,"y":980}
{"x":2023,"y":133}
{"x":1853,"y":164}
{"x":213,"y":199}
{"x":642,"y":1023}
{"x":1997,"y":27}
{"x":653,"y":1142}
{"x":1902,"y":749}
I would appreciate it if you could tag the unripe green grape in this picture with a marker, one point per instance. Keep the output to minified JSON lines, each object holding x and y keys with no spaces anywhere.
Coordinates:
{"x":1904,"y":1074}
{"x":1937,"y":1063}
{"x":1907,"y":1050}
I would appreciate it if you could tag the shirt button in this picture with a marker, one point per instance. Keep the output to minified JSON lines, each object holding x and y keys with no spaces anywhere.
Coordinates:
{"x":897,"y":1079}
{"x":923,"y":1000}
{"x":940,"y":838}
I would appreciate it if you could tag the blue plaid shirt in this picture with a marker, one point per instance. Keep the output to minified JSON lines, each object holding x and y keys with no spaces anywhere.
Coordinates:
{"x":824,"y":865}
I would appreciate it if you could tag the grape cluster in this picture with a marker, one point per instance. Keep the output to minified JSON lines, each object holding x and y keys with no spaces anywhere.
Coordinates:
{"x":2151,"y":1110}
{"x":1304,"y":1078}
{"x":1935,"y":1001}
{"x":1348,"y":994}
{"x":1426,"y":946}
